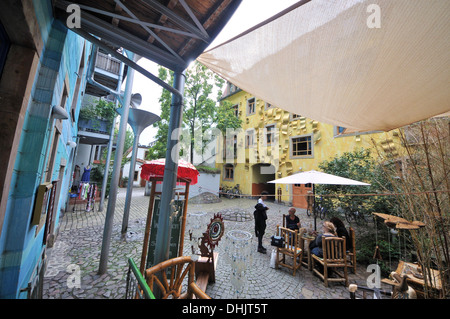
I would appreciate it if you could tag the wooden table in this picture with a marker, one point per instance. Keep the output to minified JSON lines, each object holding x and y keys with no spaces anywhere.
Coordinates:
{"x":306,"y":241}
{"x":409,"y":269}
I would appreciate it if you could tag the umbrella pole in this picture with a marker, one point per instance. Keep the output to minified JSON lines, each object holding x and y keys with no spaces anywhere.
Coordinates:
{"x":314,"y":207}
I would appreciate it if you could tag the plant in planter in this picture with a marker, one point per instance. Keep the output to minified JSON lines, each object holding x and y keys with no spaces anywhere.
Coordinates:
{"x":101,"y":112}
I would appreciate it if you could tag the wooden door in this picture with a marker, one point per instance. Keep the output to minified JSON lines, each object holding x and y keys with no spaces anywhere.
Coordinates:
{"x":298,"y":195}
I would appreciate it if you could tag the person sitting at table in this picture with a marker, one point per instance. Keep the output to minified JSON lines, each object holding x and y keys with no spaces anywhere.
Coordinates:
{"x":292,"y":221}
{"x":328,"y":230}
{"x":341,"y":231}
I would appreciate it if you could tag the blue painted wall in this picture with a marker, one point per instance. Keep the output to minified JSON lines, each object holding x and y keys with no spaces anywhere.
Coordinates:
{"x":20,"y":245}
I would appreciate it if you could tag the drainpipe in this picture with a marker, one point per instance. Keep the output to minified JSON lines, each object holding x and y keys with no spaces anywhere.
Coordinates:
{"x":171,"y":166}
{"x":109,"y":219}
{"x":170,"y":171}
{"x":110,"y":144}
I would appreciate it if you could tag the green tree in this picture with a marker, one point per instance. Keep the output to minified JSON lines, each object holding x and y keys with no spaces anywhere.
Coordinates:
{"x":201,"y":111}
{"x":357,"y":165}
{"x":226,"y":118}
{"x":159,"y":149}
{"x":199,"y":107}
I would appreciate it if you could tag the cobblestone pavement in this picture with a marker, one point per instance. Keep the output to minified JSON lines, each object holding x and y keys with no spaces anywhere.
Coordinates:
{"x":73,"y":261}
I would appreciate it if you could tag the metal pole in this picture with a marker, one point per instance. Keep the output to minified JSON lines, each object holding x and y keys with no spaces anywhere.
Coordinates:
{"x":138,"y":120}
{"x":108,"y":159}
{"x":111,"y":141}
{"x":170,"y":171}
{"x":109,"y":219}
{"x":314,"y":207}
{"x":126,"y":212}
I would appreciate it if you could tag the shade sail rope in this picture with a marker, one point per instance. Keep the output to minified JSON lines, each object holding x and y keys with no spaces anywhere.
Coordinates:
{"x":338,"y":195}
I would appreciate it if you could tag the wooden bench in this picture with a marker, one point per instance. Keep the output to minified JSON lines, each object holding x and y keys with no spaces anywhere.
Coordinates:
{"x":205,"y":270}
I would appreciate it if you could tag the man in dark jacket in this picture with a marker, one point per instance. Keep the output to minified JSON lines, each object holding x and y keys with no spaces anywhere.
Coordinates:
{"x":260,"y":220}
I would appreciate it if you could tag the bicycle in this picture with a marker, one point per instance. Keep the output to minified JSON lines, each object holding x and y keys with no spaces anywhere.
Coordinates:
{"x":223,"y":191}
{"x":235,"y":191}
{"x":353,"y":215}
{"x":319,"y":210}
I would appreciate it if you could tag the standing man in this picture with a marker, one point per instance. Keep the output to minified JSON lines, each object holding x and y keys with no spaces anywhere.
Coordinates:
{"x":260,"y":220}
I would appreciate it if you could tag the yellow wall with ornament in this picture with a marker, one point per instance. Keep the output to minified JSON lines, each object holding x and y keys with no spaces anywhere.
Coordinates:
{"x":325,"y":141}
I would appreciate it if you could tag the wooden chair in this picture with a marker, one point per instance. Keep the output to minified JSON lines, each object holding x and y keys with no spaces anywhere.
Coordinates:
{"x":334,"y":256}
{"x":351,"y":254}
{"x":177,"y":268}
{"x":291,"y":248}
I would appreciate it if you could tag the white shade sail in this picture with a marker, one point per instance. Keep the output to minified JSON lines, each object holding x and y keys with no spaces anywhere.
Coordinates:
{"x":316,"y":177}
{"x":364,"y":65}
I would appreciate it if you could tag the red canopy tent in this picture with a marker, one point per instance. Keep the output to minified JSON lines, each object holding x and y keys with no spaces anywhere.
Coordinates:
{"x":153,"y":171}
{"x":155,"y":168}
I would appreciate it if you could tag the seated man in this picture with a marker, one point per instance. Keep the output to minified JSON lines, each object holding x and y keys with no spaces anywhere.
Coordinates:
{"x":292,"y":221}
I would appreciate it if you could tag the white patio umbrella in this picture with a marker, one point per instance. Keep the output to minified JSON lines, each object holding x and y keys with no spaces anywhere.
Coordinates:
{"x":315,"y":177}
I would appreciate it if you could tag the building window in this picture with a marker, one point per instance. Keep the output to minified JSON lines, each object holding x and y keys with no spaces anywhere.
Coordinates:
{"x":76,"y":93}
{"x":251,"y":106}
{"x":268,"y":106}
{"x":301,"y":146}
{"x":64,"y":97}
{"x":228,"y":172}
{"x":249,"y":138}
{"x":270,"y":134}
{"x":236,"y":110}
{"x":295,"y":116}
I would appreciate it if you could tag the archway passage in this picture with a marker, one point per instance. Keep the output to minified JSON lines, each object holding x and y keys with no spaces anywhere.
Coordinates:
{"x":261,"y":175}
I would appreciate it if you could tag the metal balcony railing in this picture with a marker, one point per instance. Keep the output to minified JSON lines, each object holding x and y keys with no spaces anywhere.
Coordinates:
{"x":100,"y":126}
{"x":107,"y":63}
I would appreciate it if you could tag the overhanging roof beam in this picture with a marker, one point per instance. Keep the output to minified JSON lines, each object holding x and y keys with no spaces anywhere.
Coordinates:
{"x":63,"y":4}
{"x":177,"y":19}
{"x":150,"y":31}
{"x":124,"y":39}
{"x":125,"y":60}
{"x":193,"y":17}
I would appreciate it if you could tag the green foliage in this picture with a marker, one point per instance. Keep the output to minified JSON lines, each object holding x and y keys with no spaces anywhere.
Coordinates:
{"x":225,"y":117}
{"x":389,"y":252}
{"x":199,"y":107}
{"x":361,"y":166}
{"x":207,"y":169}
{"x":159,"y":149}
{"x":200,"y":113}
{"x":101,"y":110}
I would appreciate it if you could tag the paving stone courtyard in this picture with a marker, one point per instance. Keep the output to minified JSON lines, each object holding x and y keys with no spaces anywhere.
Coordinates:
{"x":74,"y":259}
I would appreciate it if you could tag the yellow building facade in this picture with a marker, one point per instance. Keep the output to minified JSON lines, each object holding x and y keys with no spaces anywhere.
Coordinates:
{"x":274,"y":143}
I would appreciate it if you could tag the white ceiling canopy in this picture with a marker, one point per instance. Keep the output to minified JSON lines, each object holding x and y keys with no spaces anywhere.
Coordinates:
{"x":364,"y":65}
